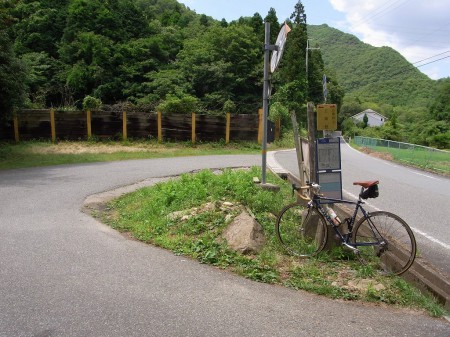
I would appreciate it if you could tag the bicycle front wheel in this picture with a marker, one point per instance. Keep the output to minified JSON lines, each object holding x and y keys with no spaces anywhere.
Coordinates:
{"x":385,"y":240}
{"x":302,"y":232}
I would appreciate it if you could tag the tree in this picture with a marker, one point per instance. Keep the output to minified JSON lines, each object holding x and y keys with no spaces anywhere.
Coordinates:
{"x":292,"y":65}
{"x":365,"y":121}
{"x":39,"y":26}
{"x":272,"y":18}
{"x":224,"y":64}
{"x":12,"y":71}
{"x":440,"y":110}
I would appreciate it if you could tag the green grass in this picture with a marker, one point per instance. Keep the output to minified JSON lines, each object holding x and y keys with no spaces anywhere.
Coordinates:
{"x":41,"y":153}
{"x":147,"y":214}
{"x":435,"y":161}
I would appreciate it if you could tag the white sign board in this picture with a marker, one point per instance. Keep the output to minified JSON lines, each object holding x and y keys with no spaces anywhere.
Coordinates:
{"x":330,"y":184}
{"x":328,"y":154}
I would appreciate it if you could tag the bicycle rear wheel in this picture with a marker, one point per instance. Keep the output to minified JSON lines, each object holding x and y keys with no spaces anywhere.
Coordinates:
{"x":302,"y":232}
{"x":386,"y":240}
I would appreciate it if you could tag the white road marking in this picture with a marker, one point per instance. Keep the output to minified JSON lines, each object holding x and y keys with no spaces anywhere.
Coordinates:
{"x":274,"y":162}
{"x":429,"y":237}
{"x":418,"y":231}
{"x":423,"y":175}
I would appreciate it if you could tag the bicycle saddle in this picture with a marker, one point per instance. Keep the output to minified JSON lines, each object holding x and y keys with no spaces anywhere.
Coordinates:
{"x":366,"y":184}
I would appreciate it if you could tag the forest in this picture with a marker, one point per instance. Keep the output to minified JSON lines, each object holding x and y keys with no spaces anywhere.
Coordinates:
{"x":160,"y":55}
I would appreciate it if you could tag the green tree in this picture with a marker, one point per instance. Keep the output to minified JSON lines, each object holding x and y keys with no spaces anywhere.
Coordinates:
{"x":224,"y":64}
{"x":365,"y":121}
{"x":292,"y":65}
{"x":440,"y":110}
{"x":12,"y":71}
{"x":272,"y":18}
{"x":39,"y":26}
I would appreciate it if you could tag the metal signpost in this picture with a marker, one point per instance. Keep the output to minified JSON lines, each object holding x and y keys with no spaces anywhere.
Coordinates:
{"x":328,"y":151}
{"x":277,"y":53}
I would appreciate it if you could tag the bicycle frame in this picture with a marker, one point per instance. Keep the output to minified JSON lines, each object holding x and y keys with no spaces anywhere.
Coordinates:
{"x":318,"y":201}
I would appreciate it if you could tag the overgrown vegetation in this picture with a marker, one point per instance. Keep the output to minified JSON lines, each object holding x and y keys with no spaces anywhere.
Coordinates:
{"x":148,"y":214}
{"x":155,"y":53}
{"x":160,"y":54}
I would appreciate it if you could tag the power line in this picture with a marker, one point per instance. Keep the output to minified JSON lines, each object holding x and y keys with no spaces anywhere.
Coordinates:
{"x":446,"y":57}
{"x":445,"y":52}
{"x":380,"y":10}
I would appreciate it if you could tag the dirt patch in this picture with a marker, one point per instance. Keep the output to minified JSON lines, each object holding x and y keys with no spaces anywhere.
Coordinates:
{"x":82,"y":148}
{"x":381,"y":155}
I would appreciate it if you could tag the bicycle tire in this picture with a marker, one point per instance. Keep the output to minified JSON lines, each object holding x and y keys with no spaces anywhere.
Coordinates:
{"x":302,"y":232}
{"x":397,"y":249}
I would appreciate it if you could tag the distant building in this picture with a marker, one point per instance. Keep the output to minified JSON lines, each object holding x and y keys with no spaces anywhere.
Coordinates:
{"x":374,"y":118}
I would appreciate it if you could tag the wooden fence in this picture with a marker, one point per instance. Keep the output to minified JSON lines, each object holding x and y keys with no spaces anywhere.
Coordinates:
{"x":80,"y":125}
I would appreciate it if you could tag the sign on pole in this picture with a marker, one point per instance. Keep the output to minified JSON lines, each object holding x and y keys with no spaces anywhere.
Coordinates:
{"x":328,"y":152}
{"x":278,"y":52}
{"x":270,"y":65}
{"x":326,"y":117}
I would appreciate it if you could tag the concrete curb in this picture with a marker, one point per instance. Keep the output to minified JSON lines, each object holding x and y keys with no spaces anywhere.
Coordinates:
{"x":422,"y":274}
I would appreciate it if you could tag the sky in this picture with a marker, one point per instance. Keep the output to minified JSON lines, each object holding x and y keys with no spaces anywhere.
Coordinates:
{"x":417,"y":29}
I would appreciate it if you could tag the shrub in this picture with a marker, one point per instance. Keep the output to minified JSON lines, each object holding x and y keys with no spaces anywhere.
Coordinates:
{"x":185,"y":104}
{"x":91,"y":103}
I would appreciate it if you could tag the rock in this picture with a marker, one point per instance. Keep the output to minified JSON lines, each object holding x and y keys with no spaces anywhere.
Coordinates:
{"x":245,"y":234}
{"x":364,"y":284}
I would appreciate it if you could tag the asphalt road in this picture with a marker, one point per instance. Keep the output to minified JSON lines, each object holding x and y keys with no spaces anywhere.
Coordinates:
{"x":63,"y":273}
{"x":422,"y":199}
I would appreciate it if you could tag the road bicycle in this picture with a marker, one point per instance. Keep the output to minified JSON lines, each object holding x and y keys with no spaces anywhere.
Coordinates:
{"x":378,"y":238}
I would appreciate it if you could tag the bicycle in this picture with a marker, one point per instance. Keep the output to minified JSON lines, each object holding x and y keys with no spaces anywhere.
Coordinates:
{"x":380,"y":237}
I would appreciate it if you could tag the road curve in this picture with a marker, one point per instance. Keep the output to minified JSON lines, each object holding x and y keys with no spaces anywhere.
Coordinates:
{"x":63,"y":273}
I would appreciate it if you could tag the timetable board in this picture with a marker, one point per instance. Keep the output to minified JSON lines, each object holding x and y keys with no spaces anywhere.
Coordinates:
{"x":328,"y":154}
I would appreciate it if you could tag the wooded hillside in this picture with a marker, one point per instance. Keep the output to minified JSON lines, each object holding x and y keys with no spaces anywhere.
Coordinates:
{"x":372,"y":73}
{"x":160,"y":55}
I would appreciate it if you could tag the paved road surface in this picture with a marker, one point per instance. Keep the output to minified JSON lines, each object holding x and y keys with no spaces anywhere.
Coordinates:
{"x":420,"y":198}
{"x":62,"y":273}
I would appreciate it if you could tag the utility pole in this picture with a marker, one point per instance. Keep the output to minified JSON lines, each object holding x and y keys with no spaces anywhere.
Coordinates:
{"x":307,"y":52}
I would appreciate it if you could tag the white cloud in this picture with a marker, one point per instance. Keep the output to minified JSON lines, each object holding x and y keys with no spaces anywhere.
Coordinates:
{"x":417,"y":29}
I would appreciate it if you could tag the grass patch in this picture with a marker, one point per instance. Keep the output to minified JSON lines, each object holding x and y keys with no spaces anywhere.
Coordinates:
{"x":42,"y":153}
{"x":189,"y":214}
{"x":422,"y":158}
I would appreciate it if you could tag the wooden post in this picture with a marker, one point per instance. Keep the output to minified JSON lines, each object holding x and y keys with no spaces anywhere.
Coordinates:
{"x":52,"y":124}
{"x":16,"y":128}
{"x":227,"y":128}
{"x":88,"y":123}
{"x":260,"y":126}
{"x":312,"y":142}
{"x":193,"y":128}
{"x":278,"y":129}
{"x":124,"y":125}
{"x":159,"y":121}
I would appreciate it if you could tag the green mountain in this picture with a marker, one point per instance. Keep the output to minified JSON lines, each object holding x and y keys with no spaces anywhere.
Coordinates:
{"x":371,"y":74}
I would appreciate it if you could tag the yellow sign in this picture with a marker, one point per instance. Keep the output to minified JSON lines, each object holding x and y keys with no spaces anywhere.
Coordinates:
{"x":327,"y":117}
